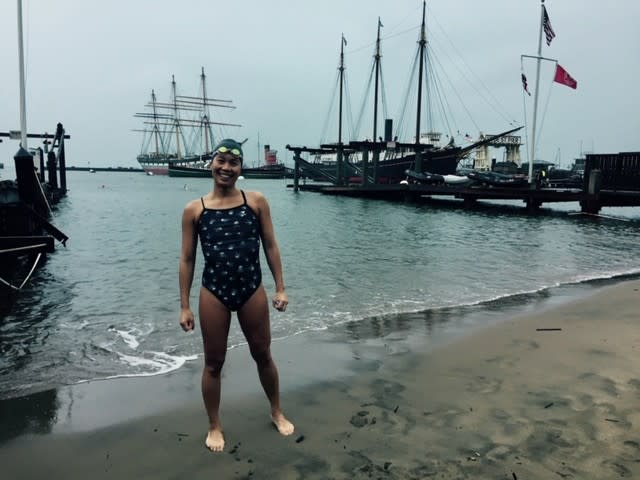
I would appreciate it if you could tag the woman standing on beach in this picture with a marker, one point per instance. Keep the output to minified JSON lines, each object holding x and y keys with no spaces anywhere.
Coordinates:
{"x":230,"y":224}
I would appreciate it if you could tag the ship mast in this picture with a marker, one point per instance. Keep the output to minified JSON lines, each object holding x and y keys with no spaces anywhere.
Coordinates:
{"x":341,"y":70}
{"x":176,"y":116}
{"x":423,"y":43}
{"x":205,"y":126}
{"x":156,"y":130}
{"x":23,"y":102}
{"x":375,"y":104}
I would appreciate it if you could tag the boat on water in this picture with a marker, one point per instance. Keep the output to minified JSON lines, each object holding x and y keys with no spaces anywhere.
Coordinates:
{"x":271,"y":169}
{"x":425,"y":177}
{"x":179,"y":131}
{"x":495,"y":179}
{"x":385,"y":160}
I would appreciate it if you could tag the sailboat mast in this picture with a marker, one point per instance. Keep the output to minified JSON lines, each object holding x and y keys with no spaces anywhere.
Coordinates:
{"x":23,"y":102}
{"x":205,"y":126}
{"x":156,"y":130}
{"x":375,"y":104}
{"x":176,"y":119}
{"x":341,"y":70}
{"x":423,"y":43}
{"x":535,"y":95}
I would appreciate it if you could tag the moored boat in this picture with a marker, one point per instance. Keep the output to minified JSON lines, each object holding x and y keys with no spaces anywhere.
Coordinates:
{"x":494,"y":179}
{"x":386,"y":159}
{"x":164,"y":140}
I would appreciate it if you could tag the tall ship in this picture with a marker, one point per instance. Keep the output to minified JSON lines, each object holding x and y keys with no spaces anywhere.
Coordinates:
{"x":384,"y":157}
{"x":180,"y":131}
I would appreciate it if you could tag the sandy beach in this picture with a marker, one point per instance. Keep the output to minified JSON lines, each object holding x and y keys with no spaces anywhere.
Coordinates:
{"x":545,"y":394}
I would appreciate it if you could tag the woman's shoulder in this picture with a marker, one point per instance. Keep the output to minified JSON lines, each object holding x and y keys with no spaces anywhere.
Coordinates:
{"x":254,"y":195}
{"x":194,"y":206}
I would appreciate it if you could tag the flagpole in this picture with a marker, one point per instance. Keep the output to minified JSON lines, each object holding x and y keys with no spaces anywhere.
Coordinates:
{"x":23,"y":104}
{"x":535,"y":95}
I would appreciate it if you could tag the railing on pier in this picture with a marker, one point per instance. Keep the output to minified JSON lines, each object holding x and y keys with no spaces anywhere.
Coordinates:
{"x":619,"y":171}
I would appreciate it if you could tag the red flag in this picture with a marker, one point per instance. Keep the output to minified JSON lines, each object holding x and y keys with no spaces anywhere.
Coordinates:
{"x":564,"y":78}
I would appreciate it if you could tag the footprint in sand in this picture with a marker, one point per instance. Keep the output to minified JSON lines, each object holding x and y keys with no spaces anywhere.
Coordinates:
{"x":601,"y":383}
{"x":635,"y":383}
{"x":617,"y":467}
{"x":482,"y":384}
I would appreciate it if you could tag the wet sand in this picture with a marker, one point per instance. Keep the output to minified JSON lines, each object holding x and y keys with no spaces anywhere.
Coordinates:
{"x":540,"y":395}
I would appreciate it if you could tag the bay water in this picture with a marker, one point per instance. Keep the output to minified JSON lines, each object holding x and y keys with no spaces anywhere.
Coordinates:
{"x":107,"y":304}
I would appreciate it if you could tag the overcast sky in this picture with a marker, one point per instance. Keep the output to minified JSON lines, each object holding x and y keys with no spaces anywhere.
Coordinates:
{"x":92,"y":64}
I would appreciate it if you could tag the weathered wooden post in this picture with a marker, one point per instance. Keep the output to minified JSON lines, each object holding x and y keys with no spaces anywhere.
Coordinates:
{"x":61,"y":158}
{"x":25,"y":173}
{"x":29,"y":188}
{"x":592,"y":202}
{"x":51,"y":170}
{"x":418,"y":158}
{"x":340,"y":165}
{"x":365,"y":165}
{"x":533,"y":204}
{"x":296,"y":168}
{"x":376,"y":159}
{"x":41,"y":158}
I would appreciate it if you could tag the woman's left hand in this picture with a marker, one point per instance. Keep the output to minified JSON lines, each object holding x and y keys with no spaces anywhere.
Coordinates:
{"x":280,"y":301}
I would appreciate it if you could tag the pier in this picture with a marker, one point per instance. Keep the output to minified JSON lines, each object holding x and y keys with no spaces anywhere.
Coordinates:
{"x":609,"y":180}
{"x":26,"y":233}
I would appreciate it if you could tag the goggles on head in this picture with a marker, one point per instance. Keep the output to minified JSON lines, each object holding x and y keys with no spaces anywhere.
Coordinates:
{"x":233,"y":151}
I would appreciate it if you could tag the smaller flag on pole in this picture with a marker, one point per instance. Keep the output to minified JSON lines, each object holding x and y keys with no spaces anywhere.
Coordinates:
{"x":524,"y":84}
{"x":546,"y":25}
{"x":380,"y":22}
{"x":563,"y":77}
{"x":344,"y":41}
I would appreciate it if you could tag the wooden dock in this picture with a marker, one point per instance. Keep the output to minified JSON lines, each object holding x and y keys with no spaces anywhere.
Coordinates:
{"x":531,"y":198}
{"x":610,"y":180}
{"x":26,"y":234}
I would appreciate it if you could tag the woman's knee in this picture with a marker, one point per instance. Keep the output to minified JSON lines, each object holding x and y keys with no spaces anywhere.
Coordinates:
{"x":262,"y":356}
{"x":213,"y":366}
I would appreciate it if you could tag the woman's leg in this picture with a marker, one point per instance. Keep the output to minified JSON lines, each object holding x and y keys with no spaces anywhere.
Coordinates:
{"x":214,"y":325}
{"x":254,"y":321}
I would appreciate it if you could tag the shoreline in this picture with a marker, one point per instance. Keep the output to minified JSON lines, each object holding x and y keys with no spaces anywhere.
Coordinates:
{"x":439,"y":324}
{"x":502,"y":399}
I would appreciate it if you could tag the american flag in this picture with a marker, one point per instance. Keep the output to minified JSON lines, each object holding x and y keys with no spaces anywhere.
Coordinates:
{"x":525,"y":85}
{"x":546,"y":24}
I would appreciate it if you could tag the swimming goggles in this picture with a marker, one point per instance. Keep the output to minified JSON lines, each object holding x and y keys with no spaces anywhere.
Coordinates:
{"x":234,"y":151}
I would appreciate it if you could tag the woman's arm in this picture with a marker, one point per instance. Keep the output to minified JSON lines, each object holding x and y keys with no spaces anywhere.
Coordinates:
{"x":271,"y":251}
{"x":187,"y":263}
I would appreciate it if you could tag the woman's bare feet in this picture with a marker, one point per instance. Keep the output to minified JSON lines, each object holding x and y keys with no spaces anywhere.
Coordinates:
{"x":215,"y":440}
{"x":284,"y":426}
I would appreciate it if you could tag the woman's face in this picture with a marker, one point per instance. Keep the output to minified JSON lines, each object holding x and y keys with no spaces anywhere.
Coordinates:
{"x":225,"y":168}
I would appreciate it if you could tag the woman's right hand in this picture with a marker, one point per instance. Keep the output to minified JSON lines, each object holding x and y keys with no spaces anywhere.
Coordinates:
{"x":186,"y":319}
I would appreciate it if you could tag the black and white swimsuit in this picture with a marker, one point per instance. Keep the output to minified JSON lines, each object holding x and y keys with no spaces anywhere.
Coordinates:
{"x":230,"y":240}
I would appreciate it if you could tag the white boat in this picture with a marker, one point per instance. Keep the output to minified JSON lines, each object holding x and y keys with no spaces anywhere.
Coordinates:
{"x":456,"y":179}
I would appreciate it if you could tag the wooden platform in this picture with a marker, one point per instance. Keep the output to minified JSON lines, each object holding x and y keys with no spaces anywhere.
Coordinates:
{"x":532,"y":198}
{"x":609,"y":180}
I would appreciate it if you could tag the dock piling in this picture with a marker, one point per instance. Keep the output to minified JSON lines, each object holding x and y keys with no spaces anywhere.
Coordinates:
{"x":61,"y":157}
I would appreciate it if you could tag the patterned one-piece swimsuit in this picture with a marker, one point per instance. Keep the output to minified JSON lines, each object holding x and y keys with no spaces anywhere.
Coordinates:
{"x":230,"y":240}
